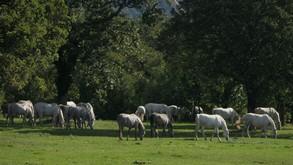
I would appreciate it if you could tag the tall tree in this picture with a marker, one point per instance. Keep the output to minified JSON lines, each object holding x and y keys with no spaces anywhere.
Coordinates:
{"x":90,"y":19}
{"x":106,"y":58}
{"x":31,"y":32}
{"x":245,"y":41}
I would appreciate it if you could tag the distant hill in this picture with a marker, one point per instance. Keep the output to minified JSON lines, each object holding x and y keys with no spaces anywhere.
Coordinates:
{"x":133,"y":13}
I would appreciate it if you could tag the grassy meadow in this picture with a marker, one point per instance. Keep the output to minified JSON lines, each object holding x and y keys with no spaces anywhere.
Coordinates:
{"x":45,"y":145}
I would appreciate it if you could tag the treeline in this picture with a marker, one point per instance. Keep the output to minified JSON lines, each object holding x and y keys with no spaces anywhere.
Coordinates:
{"x":211,"y":53}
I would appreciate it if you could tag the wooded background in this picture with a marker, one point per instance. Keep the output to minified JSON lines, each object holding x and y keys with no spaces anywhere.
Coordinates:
{"x":119,"y":54}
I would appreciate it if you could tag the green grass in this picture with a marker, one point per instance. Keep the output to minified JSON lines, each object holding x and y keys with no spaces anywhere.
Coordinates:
{"x":46,"y":145}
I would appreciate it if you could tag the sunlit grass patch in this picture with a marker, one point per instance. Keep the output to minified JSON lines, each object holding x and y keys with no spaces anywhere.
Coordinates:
{"x":46,"y":145}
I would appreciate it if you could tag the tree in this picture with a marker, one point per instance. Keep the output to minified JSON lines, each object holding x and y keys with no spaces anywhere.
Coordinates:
{"x":244,"y":42}
{"x":31,"y":32}
{"x":90,"y":19}
{"x":105,"y":58}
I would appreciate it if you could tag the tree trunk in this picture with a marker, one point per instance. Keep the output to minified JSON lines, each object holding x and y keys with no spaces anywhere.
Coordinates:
{"x":65,"y":66}
{"x":63,"y":84}
{"x":228,"y":90}
{"x":251,"y":99}
{"x":64,"y":80}
{"x":281,"y":109}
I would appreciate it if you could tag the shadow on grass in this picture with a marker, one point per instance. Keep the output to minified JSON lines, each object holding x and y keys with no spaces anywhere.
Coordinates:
{"x":280,"y":135}
{"x":286,"y":136}
{"x":114,"y":133}
{"x":74,"y":132}
{"x":181,"y":130}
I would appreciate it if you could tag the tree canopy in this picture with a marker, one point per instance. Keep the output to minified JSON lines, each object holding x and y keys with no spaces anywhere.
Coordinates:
{"x":210,"y":53}
{"x":31,"y":33}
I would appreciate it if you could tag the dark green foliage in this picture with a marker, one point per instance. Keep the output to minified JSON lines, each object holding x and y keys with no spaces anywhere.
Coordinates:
{"x":218,"y":53}
{"x":31,"y":33}
{"x":224,"y":44}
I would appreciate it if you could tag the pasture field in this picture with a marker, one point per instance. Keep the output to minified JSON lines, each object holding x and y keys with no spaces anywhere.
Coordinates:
{"x":45,"y":145}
